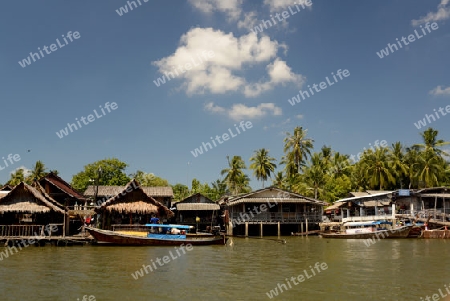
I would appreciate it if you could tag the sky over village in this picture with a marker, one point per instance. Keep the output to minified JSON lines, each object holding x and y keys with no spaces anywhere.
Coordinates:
{"x":149,"y":82}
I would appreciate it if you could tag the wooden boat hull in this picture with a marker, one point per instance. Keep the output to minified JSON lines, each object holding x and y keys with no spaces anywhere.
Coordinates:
{"x":401,"y":232}
{"x":120,"y":239}
{"x":443,"y":234}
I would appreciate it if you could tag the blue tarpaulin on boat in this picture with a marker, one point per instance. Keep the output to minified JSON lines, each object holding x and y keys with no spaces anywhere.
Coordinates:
{"x":166,"y":236}
{"x":168,"y":226}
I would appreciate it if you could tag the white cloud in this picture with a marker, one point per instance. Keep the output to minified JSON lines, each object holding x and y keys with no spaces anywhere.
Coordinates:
{"x":26,"y":171}
{"x":443,"y":13}
{"x":232,"y":8}
{"x":277,"y":5}
{"x":299,"y":116}
{"x":222,"y":72}
{"x":250,"y":20}
{"x":439,"y":91}
{"x":241,"y":111}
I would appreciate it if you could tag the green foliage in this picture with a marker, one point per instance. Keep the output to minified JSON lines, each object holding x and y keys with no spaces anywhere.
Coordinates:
{"x":104,"y":172}
{"x":149,"y":179}
{"x":262,"y":165}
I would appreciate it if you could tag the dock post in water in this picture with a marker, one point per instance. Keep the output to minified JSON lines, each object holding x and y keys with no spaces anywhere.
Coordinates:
{"x":279,"y":230}
{"x":306,"y":223}
{"x":261,"y":229}
{"x":246,"y":229}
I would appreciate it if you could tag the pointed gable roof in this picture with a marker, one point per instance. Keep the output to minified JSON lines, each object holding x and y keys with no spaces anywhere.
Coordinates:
{"x":133,"y":199}
{"x":62,"y":185}
{"x":197,"y":202}
{"x":25,"y":198}
{"x":273,"y":193}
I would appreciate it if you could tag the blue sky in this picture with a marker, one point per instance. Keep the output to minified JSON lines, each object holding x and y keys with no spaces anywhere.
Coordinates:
{"x":250,"y":77}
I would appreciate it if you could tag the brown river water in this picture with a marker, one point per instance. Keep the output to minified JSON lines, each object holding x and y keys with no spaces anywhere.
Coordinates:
{"x":244,"y":269}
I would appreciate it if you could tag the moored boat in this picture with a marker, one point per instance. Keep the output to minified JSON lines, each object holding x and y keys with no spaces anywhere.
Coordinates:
{"x":158,"y":235}
{"x":364,"y":230}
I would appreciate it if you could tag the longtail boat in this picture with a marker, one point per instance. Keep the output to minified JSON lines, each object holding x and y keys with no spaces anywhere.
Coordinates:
{"x":364,"y":230}
{"x":158,"y":235}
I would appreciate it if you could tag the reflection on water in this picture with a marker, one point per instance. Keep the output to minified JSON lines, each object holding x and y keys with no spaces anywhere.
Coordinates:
{"x":246,"y":269}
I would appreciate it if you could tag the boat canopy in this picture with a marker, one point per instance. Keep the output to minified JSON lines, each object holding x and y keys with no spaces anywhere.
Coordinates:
{"x":372,"y":223}
{"x":169,"y":226}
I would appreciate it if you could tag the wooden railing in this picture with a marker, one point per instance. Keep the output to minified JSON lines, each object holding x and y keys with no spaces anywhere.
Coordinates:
{"x":283,"y":217}
{"x":30,"y":230}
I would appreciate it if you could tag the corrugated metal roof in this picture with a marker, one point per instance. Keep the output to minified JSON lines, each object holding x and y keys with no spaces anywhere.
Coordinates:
{"x":438,"y":195}
{"x":364,"y":197}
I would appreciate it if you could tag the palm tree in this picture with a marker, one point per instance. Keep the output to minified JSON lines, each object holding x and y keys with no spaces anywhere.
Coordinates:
{"x":397,"y":162}
{"x":234,"y":174}
{"x":262,"y":165}
{"x":16,"y":177}
{"x":377,"y":169}
{"x":37,"y":172}
{"x":297,"y":147}
{"x":315,"y":174}
{"x":279,"y":181}
{"x":339,"y":165}
{"x":430,"y":169}
{"x":431,"y":144}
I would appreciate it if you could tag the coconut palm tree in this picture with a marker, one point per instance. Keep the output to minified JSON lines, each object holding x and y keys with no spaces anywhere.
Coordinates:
{"x":430,"y":169}
{"x":279,"y":180}
{"x":377,"y":169}
{"x":37,"y":172}
{"x":431,"y":143}
{"x":297,"y":147}
{"x":315,"y":174}
{"x":234,"y":174}
{"x":262,"y":165}
{"x":339,"y":165}
{"x":397,"y":162}
{"x":16,"y":177}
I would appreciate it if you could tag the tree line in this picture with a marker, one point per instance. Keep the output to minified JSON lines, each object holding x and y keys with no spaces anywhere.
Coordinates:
{"x":327,"y":175}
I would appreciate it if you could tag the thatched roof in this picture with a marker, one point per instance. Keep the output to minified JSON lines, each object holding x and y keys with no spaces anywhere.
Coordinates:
{"x":25,"y":198}
{"x":115,"y":190}
{"x":132,"y":199}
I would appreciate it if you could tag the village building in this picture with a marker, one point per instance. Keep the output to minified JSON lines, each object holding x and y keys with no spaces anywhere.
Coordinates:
{"x":131,"y":206}
{"x":271,"y":211}
{"x":26,"y":210}
{"x":198,"y":210}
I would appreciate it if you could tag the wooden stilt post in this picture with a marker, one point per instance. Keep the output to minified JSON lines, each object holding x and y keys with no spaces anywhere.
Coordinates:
{"x":246,"y":228}
{"x":306,"y":226}
{"x":261,"y":229}
{"x":301,"y":226}
{"x":279,"y":229}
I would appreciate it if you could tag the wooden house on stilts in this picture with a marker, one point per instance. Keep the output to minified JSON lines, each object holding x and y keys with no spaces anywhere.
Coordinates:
{"x":132,"y":206}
